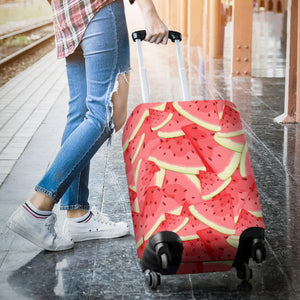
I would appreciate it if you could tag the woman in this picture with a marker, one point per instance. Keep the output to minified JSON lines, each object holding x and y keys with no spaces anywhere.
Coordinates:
{"x":92,"y":36}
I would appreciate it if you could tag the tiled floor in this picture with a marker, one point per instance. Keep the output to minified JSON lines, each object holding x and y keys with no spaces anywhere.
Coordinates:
{"x":109,"y":269}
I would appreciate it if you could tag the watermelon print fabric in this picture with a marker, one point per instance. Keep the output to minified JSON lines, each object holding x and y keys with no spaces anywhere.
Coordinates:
{"x":189,"y":171}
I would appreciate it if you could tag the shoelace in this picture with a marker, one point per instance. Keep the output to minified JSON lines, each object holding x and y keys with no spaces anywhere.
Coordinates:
{"x":49,"y":223}
{"x":101,"y":217}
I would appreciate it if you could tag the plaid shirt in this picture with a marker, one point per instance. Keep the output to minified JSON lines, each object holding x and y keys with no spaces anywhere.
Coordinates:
{"x":71,"y":18}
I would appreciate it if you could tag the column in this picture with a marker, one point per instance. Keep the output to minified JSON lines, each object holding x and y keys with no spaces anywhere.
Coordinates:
{"x":215,"y":29}
{"x":292,"y":84}
{"x":242,"y":37}
{"x":183,"y":10}
{"x":298,"y":71}
{"x":195,"y":22}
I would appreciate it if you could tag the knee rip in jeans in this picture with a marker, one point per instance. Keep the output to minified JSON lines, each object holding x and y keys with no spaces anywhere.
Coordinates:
{"x":118,"y":103}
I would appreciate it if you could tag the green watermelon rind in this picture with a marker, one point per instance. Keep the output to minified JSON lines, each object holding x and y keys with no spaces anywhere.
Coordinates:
{"x":228,"y":144}
{"x":170,"y":135}
{"x":218,"y":190}
{"x":186,"y":220}
{"x":230,"y":134}
{"x":180,"y":169}
{"x":217,"y":227}
{"x":194,"y":119}
{"x":243,"y":171}
{"x":138,"y":148}
{"x":233,"y":241}
{"x":154,"y":227}
{"x":231,"y":167}
{"x":163,"y":123}
{"x":137,"y":128}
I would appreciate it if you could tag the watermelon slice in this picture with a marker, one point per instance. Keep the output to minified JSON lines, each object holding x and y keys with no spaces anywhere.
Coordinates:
{"x":138,"y":228}
{"x":211,"y":184}
{"x":173,"y":127}
{"x":178,"y":155}
{"x":157,"y":203}
{"x":216,"y":213}
{"x":252,"y":203}
{"x":239,"y":190}
{"x":134,"y":123}
{"x":194,"y":251}
{"x":182,"y":187}
{"x":134,"y":147}
{"x":231,"y":124}
{"x":216,"y":245}
{"x":203,"y":113}
{"x":146,"y":171}
{"x":247,"y":220}
{"x":149,"y":141}
{"x":175,"y":223}
{"x":158,"y":178}
{"x":136,"y":120}
{"x":233,"y":241}
{"x":245,"y":165}
{"x":133,"y":201}
{"x":218,"y":159}
{"x":159,"y":119}
{"x":235,"y":143}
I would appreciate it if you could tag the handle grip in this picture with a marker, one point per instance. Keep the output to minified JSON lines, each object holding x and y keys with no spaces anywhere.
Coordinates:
{"x":141,"y":34}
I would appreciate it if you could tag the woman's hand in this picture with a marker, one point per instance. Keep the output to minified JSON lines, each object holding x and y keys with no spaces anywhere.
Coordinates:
{"x":156,"y":30}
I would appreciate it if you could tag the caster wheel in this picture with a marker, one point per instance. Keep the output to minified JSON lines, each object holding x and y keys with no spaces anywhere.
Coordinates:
{"x":258,"y":256}
{"x":258,"y":251}
{"x":152,"y":279}
{"x":164,"y":261}
{"x":244,"y":272}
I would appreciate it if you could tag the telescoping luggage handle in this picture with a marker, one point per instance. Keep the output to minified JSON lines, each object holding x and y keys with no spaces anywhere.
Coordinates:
{"x":176,"y":38}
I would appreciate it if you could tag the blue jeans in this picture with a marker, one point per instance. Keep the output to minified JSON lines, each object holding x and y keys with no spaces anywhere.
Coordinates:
{"x":92,"y":71}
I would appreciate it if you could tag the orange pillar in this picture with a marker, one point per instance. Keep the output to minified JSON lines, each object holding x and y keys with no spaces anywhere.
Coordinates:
{"x":242,"y":37}
{"x":292,"y":84}
{"x":298,"y":71}
{"x":206,"y":24}
{"x":173,"y":14}
{"x":195,"y":22}
{"x":183,"y":11}
{"x":266,"y":5}
{"x":275,"y":6}
{"x":283,"y":6}
{"x":214,"y":29}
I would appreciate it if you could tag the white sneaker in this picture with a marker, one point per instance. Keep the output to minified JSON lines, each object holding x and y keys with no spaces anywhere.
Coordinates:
{"x":40,"y":232}
{"x":96,"y":226}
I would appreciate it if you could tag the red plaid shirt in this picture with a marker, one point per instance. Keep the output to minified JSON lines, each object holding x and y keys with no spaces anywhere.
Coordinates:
{"x":71,"y":18}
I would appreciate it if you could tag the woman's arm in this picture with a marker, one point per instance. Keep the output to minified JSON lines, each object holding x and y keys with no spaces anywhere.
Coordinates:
{"x":157,"y":31}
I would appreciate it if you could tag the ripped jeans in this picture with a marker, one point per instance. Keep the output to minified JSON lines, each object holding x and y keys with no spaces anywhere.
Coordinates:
{"x":92,"y":71}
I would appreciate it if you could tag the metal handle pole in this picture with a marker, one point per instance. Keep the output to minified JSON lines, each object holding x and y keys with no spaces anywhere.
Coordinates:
{"x":143,"y":74}
{"x":182,"y":74}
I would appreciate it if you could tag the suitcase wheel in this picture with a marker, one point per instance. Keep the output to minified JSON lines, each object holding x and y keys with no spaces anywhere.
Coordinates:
{"x":152,"y":279}
{"x":244,"y":272}
{"x":258,"y":250}
{"x":252,"y":246}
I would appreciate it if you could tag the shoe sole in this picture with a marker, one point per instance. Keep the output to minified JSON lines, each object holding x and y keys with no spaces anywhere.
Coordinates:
{"x":98,"y":236}
{"x":15,"y":227}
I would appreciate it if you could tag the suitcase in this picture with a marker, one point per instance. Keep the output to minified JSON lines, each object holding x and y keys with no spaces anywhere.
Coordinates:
{"x":193,"y":196}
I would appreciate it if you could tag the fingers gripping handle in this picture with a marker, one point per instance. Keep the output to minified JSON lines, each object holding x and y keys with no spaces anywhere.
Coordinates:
{"x":141,"y":34}
{"x":175,"y":37}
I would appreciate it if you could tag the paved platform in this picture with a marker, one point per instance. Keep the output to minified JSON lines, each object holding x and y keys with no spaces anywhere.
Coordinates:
{"x":32,"y":114}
